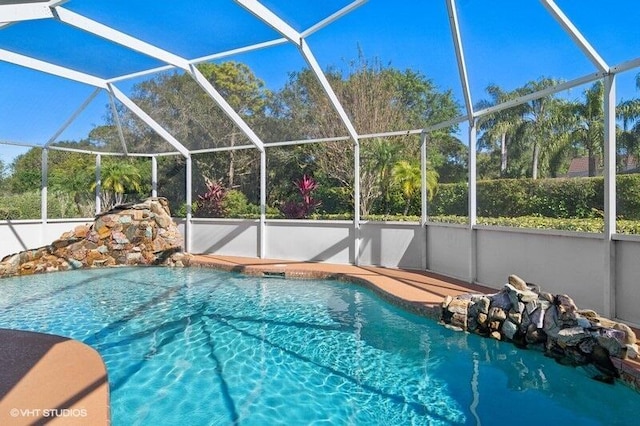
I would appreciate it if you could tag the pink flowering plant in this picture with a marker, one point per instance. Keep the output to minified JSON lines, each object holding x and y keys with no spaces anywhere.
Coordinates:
{"x":294,"y":209}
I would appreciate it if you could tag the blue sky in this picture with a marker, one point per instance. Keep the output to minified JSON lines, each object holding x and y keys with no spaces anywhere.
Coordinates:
{"x":506,"y":42}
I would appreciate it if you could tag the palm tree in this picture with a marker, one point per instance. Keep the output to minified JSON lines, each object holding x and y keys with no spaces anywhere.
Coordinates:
{"x":628,"y":112}
{"x":408,"y":177}
{"x":501,"y":125}
{"x":118,"y":177}
{"x":589,"y":131}
{"x":540,"y":122}
{"x":379,"y":156}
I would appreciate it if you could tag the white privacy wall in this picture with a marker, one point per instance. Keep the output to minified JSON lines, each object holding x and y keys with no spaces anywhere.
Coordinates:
{"x":570,"y":263}
{"x":394,"y":245}
{"x":628,"y":278}
{"x":17,"y":236}
{"x":226,"y":237}
{"x":316,"y":241}
{"x":448,"y":250}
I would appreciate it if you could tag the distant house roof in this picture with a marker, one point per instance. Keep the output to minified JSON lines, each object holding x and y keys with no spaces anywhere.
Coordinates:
{"x":579,"y":167}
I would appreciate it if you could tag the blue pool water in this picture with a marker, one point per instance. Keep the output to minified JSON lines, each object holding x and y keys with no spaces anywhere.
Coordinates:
{"x":200,"y":347}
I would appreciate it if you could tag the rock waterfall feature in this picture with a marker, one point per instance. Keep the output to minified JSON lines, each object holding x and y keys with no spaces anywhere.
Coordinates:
{"x":130,"y":234}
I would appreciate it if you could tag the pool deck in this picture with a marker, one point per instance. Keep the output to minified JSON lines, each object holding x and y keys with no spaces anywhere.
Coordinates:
{"x":56,"y":380}
{"x":47,"y":379}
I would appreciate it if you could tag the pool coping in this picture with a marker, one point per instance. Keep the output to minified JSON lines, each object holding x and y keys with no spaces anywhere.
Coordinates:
{"x":418,"y":291}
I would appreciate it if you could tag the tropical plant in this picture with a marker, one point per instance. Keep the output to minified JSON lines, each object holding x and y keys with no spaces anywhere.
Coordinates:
{"x":408,"y":176}
{"x":531,"y":135}
{"x":589,"y":129}
{"x":211,"y":203}
{"x":117,"y":179}
{"x":501,"y":126}
{"x":378,"y":159}
{"x":628,"y":112}
{"x":293,"y":209}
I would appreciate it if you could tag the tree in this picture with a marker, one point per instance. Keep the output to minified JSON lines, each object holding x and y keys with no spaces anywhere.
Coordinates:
{"x":378,"y":161}
{"x":118,"y":177}
{"x":532,"y":135}
{"x":181,"y":106}
{"x":628,"y":112}
{"x":589,"y":126}
{"x":539,"y":124}
{"x":26,"y":171}
{"x":500,"y":126}
{"x":377,"y":99}
{"x":408,"y":176}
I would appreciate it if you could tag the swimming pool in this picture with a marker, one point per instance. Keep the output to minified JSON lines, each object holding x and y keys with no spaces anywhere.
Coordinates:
{"x":199,"y":347}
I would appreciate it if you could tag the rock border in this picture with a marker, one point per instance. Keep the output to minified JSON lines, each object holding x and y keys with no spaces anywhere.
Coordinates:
{"x":528,"y":317}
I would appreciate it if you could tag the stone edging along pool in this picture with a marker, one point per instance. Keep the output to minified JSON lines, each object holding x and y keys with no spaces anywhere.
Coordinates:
{"x":573,"y":333}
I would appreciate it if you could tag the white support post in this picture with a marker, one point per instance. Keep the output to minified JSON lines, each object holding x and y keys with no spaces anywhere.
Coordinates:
{"x":356,"y":203}
{"x":154,"y":176}
{"x":98,"y":183}
{"x":464,"y":81}
{"x":187,"y":225}
{"x":262,"y":231}
{"x":609,"y":195}
{"x":424,"y":195}
{"x":43,"y":187}
{"x":462,"y":65}
{"x":473,"y":202}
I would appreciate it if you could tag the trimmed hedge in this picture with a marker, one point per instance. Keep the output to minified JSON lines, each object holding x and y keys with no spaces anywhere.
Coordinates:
{"x":554,"y":198}
{"x":596,"y":225}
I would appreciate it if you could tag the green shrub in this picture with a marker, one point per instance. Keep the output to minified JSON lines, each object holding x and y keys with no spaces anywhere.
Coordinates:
{"x":24,"y":205}
{"x":565,"y":198}
{"x":504,"y":197}
{"x":628,"y":192}
{"x":554,"y":198}
{"x":237,"y":205}
{"x":334,"y":199}
{"x":595,"y":225}
{"x":450,"y":199}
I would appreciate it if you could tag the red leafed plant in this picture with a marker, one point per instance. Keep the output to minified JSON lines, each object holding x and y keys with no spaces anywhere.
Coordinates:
{"x":300,"y":210}
{"x":210,"y":204}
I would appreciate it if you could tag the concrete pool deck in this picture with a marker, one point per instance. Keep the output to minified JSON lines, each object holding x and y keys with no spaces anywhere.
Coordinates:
{"x":47,"y":379}
{"x":41,"y":372}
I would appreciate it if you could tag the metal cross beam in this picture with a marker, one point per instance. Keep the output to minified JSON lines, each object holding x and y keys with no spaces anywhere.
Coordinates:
{"x":148,"y":120}
{"x":49,"y":68}
{"x":148,"y":49}
{"x":275,"y":22}
{"x":577,"y":37}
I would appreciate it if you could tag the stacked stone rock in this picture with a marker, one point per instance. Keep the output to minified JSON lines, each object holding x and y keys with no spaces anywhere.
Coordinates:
{"x":523,"y":314}
{"x":132,"y":234}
